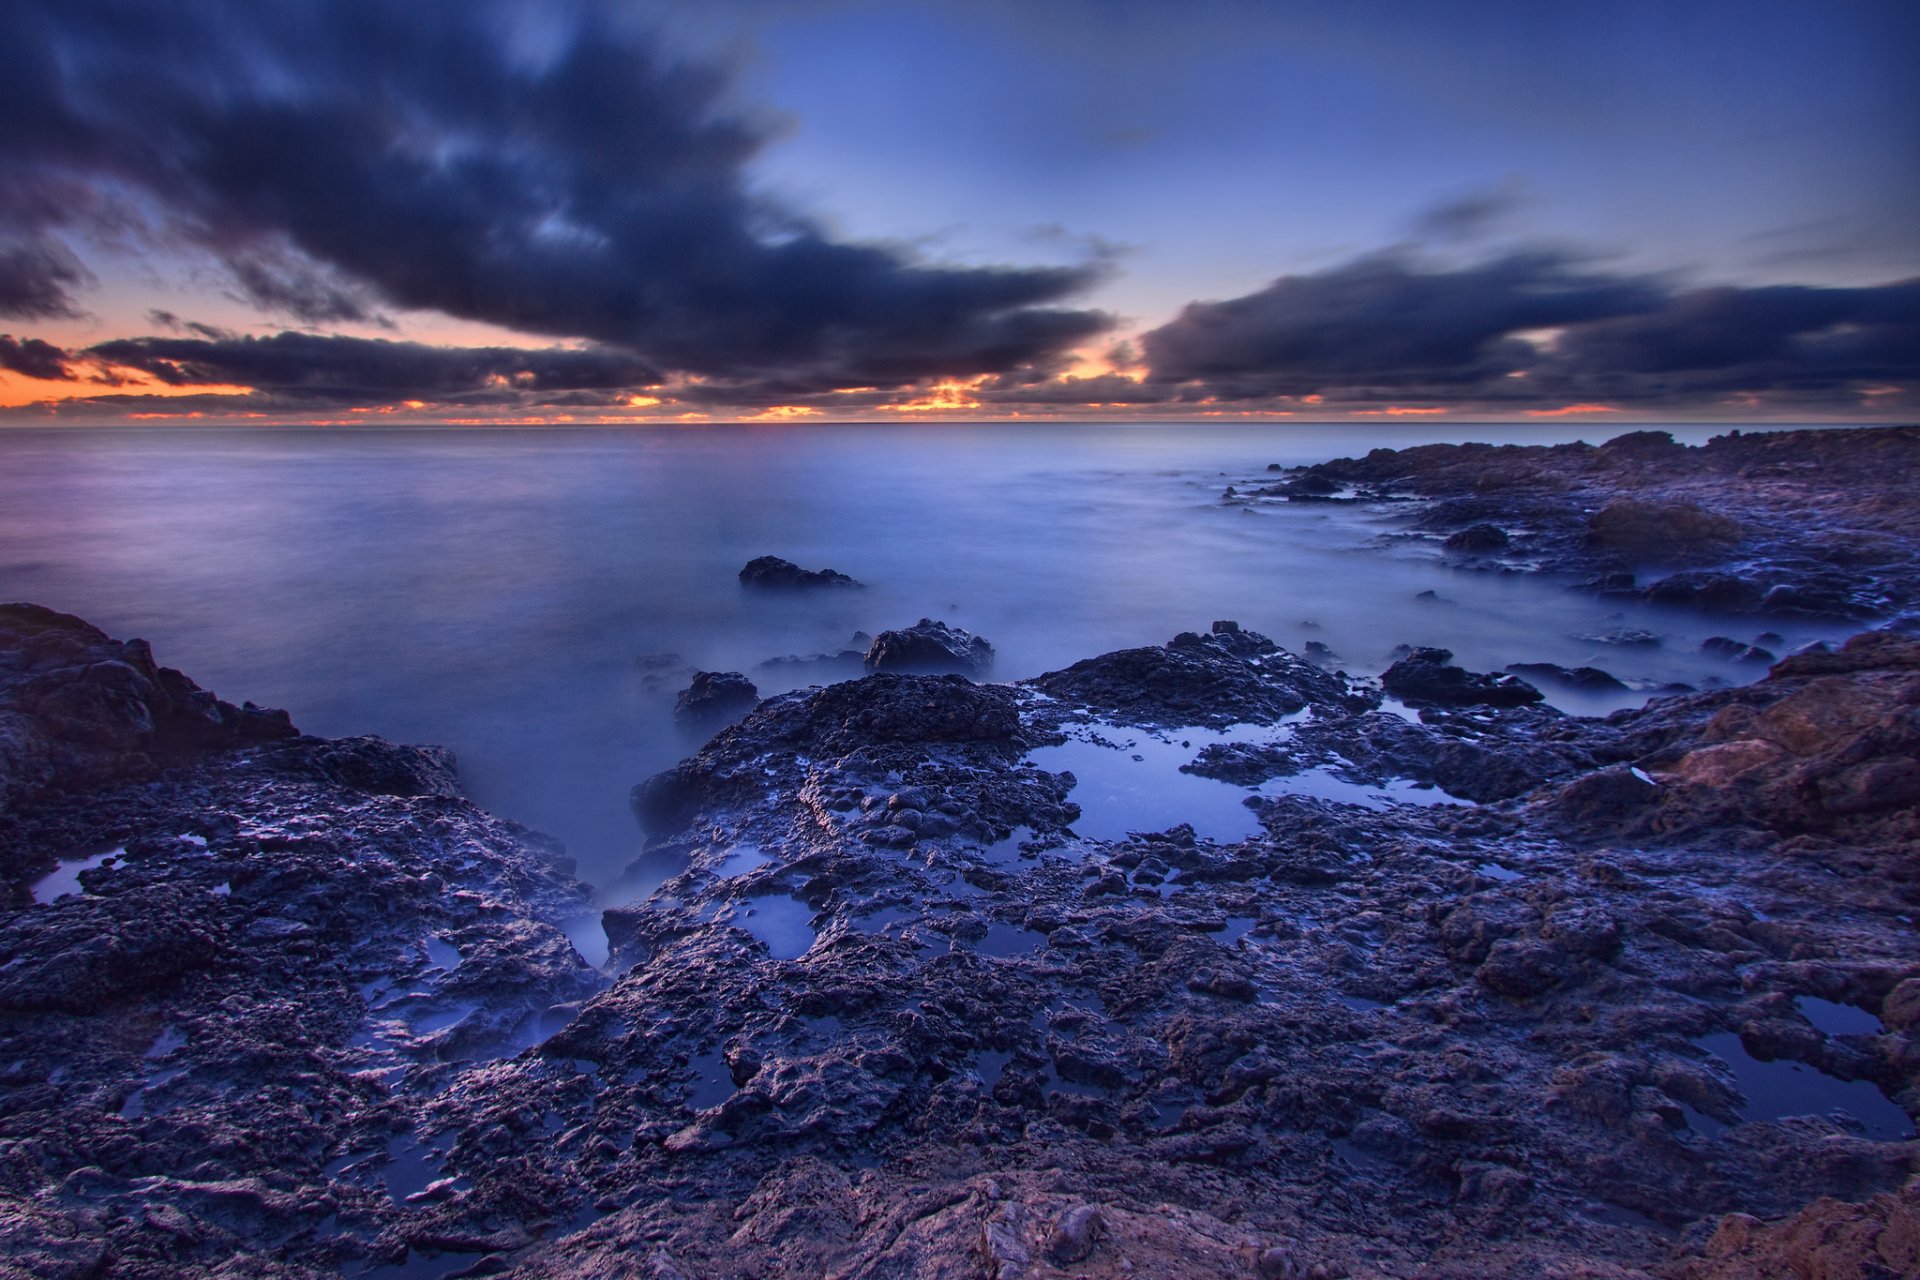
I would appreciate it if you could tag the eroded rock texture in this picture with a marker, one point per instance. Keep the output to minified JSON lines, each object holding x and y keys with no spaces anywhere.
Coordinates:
{"x":1817,"y":523}
{"x":894,"y":1015}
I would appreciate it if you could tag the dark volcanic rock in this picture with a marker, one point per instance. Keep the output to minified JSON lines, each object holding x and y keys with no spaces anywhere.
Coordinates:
{"x":928,"y":646}
{"x":1736,"y":651}
{"x":226,"y":1048}
{"x":890,"y":1016}
{"x":1427,"y":675}
{"x":715,"y":695}
{"x":1818,"y":523}
{"x":1671,"y":530}
{"x":1478,"y":538}
{"x":1225,"y":677}
{"x":78,"y":708}
{"x":773,"y":573}
{"x":1592,"y":679}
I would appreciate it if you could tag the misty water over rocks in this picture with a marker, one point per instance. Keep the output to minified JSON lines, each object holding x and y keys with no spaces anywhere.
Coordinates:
{"x":534,"y":599}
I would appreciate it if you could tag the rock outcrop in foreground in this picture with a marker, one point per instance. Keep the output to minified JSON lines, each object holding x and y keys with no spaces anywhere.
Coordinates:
{"x":896,"y":1016}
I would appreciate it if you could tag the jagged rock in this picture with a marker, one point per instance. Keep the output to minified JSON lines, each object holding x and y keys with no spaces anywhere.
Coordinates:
{"x":715,"y":695}
{"x":1591,"y":679}
{"x":929,"y":646}
{"x":1427,"y":675}
{"x":773,"y":573}
{"x":1478,"y":539}
{"x":78,"y":708}
{"x":1660,"y":530}
{"x":1732,"y":650}
{"x":1224,"y":677}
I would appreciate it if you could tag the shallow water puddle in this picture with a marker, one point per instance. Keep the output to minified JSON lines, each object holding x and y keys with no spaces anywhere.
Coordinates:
{"x":413,"y":1164}
{"x":442,"y":954}
{"x":1324,"y":783}
{"x":1781,"y":1088}
{"x":784,"y":924}
{"x":1008,"y":848}
{"x":1003,"y":939}
{"x":741,"y":859}
{"x":1237,"y":928}
{"x":135,"y":1105}
{"x":165,"y":1043}
{"x":1128,"y":779}
{"x":65,"y":878}
{"x":1836,"y":1019}
{"x":712,"y":1082}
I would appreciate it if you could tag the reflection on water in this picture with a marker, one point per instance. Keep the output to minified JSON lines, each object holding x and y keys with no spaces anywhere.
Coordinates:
{"x":495,"y":591}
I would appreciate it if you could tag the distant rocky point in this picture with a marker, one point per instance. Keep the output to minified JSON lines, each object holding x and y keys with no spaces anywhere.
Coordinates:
{"x":774,"y":574}
{"x":1805,"y":523}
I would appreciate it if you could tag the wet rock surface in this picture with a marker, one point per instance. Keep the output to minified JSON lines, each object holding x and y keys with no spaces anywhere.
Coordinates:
{"x":232,"y":1037}
{"x":771,"y":573}
{"x":1812,"y":523}
{"x":714,"y":696}
{"x":897,"y":1014}
{"x":930,"y":646}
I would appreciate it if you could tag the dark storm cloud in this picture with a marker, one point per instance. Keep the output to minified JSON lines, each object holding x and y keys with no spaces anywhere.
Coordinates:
{"x":309,"y":368}
{"x":558,"y":176}
{"x":34,"y":358}
{"x":1469,"y":217}
{"x":1384,"y":322}
{"x":1393,"y":327}
{"x":37,"y":280}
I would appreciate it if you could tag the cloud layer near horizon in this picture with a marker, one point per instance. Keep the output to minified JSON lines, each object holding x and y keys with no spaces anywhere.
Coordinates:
{"x":551,"y":170}
{"x":1532,"y":327}
{"x":548,"y":171}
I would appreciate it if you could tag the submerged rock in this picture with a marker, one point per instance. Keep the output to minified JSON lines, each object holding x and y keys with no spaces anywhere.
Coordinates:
{"x":773,"y":573}
{"x":929,"y":646}
{"x":715,"y":695}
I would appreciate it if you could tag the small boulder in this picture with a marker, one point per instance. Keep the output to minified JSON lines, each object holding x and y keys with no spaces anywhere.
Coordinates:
{"x":1660,"y":530}
{"x":1735,"y":651}
{"x":1478,"y":539}
{"x":715,"y":695}
{"x":774,"y":574}
{"x":1592,"y":679}
{"x":929,"y":646}
{"x":1426,"y":675}
{"x":1074,"y":1234}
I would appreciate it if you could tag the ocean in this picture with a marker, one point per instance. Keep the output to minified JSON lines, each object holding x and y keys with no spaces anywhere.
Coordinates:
{"x":534,"y":598}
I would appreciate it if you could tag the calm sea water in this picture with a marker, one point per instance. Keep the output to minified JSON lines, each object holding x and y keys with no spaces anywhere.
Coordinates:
{"x":499,"y":591}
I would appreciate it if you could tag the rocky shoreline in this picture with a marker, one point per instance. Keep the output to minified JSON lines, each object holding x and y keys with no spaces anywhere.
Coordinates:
{"x":1426,"y":979}
{"x":1809,"y":523}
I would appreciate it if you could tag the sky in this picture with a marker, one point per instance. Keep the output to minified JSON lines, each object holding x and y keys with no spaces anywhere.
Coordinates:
{"x":644,"y":211}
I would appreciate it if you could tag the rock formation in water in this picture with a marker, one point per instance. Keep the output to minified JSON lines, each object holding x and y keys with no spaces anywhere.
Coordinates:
{"x":928,"y":647}
{"x":715,"y":696}
{"x":774,"y":574}
{"x":1815,"y":523}
{"x":896,"y":1017}
{"x":1472,"y":989}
